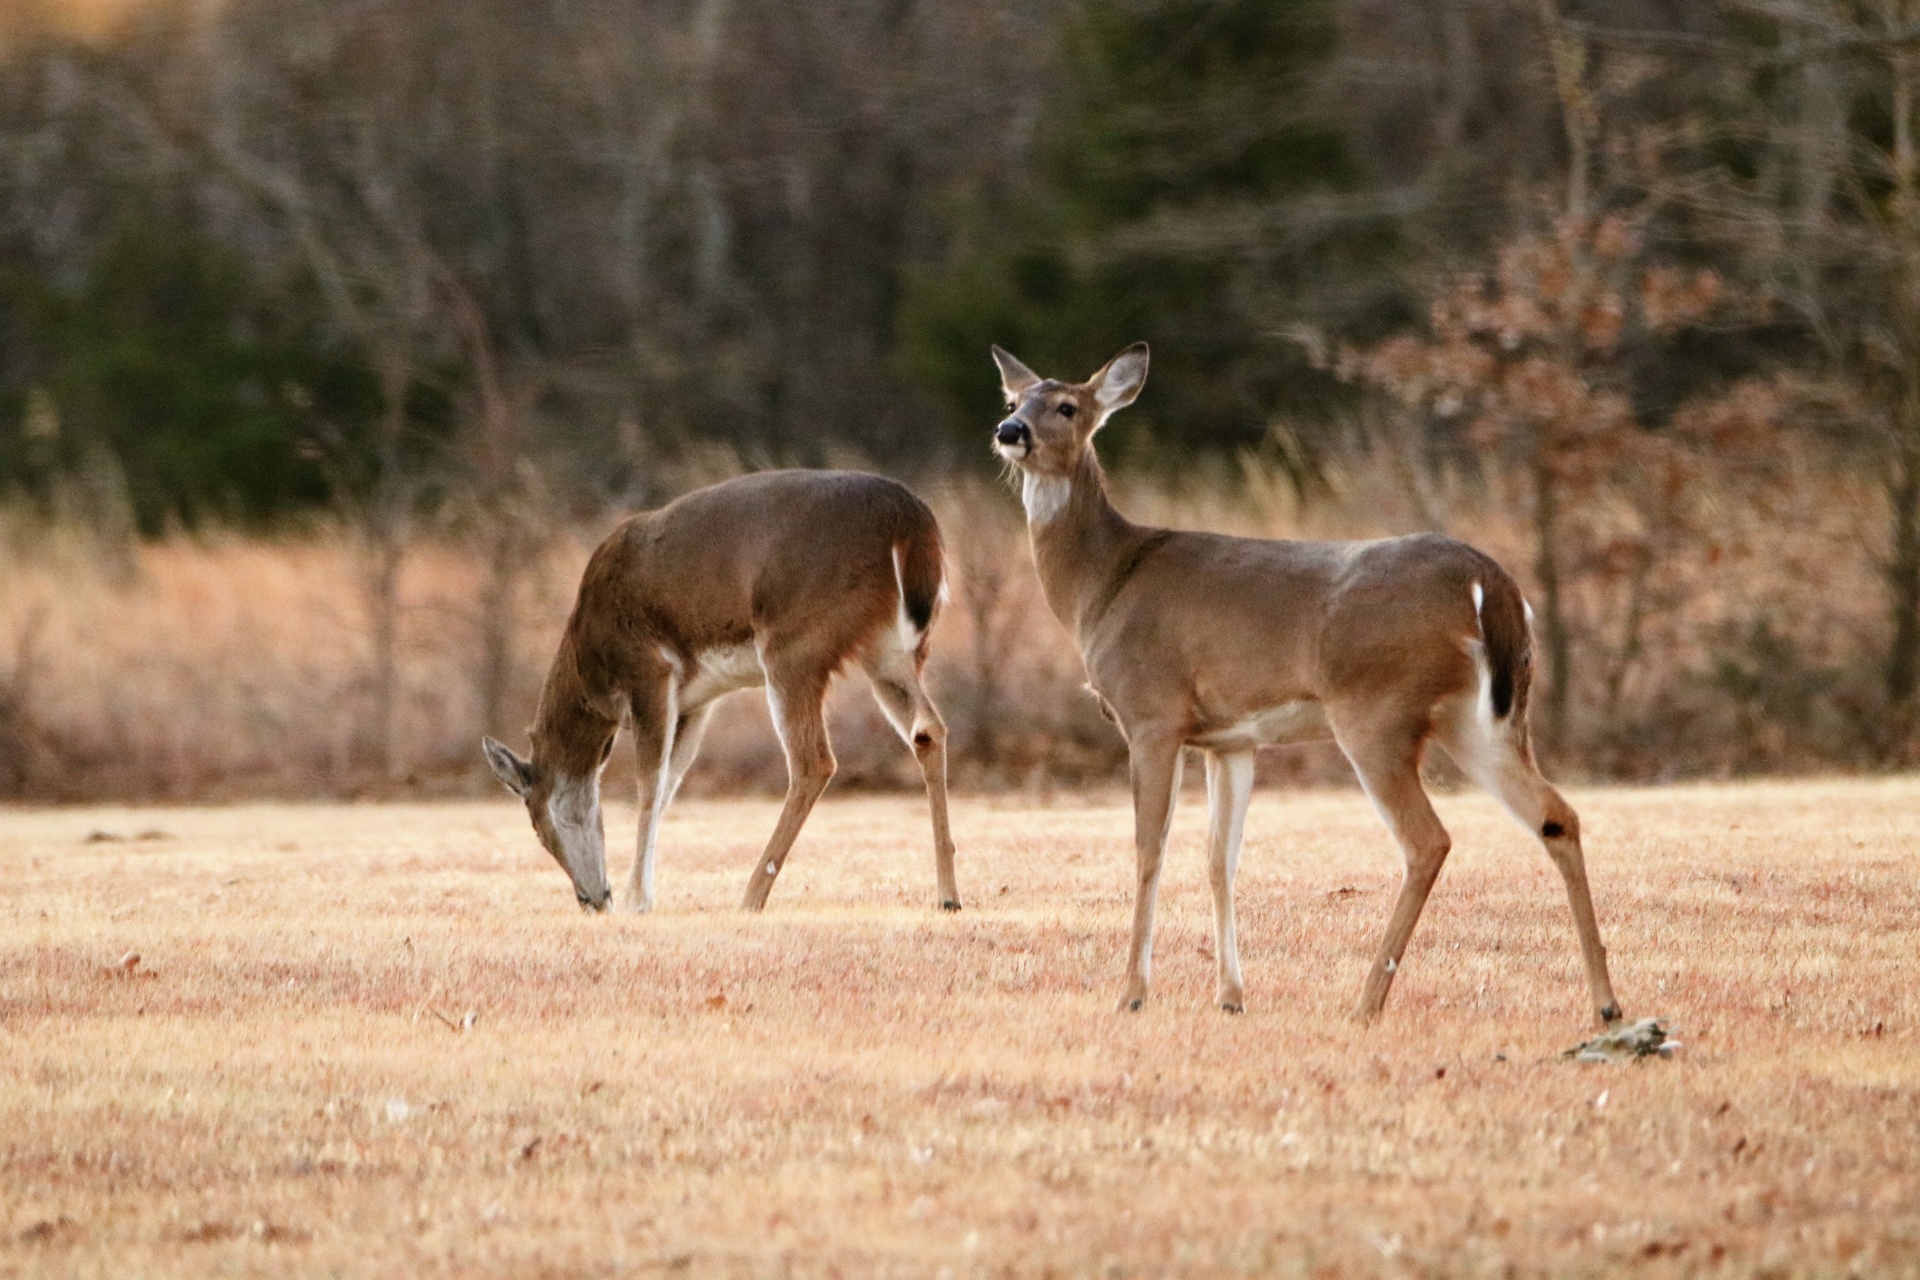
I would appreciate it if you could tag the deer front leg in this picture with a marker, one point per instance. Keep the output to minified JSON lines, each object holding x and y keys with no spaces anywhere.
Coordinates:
{"x":655,"y":725}
{"x":795,"y":701}
{"x":1229,"y":788}
{"x":1155,"y":764}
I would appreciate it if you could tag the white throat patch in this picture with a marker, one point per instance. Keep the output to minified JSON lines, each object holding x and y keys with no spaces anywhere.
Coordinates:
{"x":1044,"y":497}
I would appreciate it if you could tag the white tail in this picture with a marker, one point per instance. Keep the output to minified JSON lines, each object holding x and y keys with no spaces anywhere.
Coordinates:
{"x":1231,"y":644}
{"x":777,"y":579}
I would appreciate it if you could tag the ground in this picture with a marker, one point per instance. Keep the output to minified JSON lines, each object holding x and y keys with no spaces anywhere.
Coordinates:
{"x":856,"y":1084}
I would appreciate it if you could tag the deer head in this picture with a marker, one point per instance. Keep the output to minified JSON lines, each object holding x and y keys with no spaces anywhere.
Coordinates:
{"x":1050,"y":424}
{"x":565,"y":809}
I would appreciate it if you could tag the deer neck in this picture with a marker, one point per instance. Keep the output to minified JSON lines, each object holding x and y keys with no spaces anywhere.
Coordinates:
{"x":1079,"y":540}
{"x":572,"y":726}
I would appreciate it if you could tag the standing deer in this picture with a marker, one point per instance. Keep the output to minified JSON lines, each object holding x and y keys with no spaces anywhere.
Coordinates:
{"x":1231,"y":644}
{"x":777,"y":579}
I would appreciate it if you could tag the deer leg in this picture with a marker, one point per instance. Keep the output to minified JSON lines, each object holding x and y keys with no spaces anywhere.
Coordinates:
{"x":686,"y":745}
{"x":655,"y":719}
{"x":1504,"y":766}
{"x":1387,"y":758}
{"x":897,"y":688}
{"x":1155,"y":766}
{"x":795,"y":700}
{"x":1229,"y":788}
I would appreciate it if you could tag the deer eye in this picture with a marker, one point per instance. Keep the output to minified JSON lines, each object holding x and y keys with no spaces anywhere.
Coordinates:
{"x":1065,"y":410}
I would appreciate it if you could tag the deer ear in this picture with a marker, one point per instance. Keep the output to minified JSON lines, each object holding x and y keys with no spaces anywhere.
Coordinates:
{"x":1015,"y":377}
{"x":508,"y":767}
{"x":1119,"y":381}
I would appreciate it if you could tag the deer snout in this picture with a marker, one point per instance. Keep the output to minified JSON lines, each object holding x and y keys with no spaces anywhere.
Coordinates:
{"x":1012,"y":432}
{"x":591,"y":902}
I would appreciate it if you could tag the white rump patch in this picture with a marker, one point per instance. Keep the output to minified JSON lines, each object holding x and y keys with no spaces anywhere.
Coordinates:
{"x":1483,"y":693}
{"x":902,"y":622}
{"x":1044,"y":497}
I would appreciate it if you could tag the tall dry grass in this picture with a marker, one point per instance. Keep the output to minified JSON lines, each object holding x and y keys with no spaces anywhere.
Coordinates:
{"x":216,"y":665}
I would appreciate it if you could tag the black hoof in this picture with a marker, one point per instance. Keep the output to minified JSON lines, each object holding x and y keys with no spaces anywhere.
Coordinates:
{"x":1133,"y":1006}
{"x":950,"y":905}
{"x":1233,"y":1008}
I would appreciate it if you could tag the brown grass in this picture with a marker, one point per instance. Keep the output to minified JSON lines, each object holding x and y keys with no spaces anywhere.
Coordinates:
{"x":853,"y":1084}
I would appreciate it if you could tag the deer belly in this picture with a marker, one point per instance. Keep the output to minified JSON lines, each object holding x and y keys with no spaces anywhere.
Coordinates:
{"x":719,"y":671}
{"x":1270,"y":727}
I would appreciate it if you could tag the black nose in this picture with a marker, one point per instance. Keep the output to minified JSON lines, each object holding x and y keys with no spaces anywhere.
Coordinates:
{"x":1012,"y":431}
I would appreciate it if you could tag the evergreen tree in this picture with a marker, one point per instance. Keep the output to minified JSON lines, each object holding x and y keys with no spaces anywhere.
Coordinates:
{"x":212,"y":393}
{"x":1186,"y":190}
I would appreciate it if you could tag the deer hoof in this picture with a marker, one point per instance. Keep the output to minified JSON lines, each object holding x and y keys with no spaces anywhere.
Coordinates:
{"x":950,"y":904}
{"x":1232,"y":1006}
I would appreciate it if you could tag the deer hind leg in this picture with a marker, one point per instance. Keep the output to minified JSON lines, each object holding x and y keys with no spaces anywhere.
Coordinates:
{"x":1496,"y":756}
{"x":656,"y":719}
{"x":795,"y":697}
{"x":658,"y":785}
{"x":897,"y":688}
{"x":1229,"y":788}
{"x":1386,"y":754}
{"x":1154,"y":759}
{"x":687,"y":733}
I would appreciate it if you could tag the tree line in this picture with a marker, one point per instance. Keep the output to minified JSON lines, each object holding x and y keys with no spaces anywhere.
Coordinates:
{"x":479,"y":265}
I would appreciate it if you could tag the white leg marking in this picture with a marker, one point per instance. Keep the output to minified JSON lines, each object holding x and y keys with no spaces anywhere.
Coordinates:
{"x":662,"y":789}
{"x":1231,"y":777}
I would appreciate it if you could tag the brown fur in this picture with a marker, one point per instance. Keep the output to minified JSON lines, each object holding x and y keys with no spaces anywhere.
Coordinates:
{"x":785,"y":575}
{"x":1227,"y":644}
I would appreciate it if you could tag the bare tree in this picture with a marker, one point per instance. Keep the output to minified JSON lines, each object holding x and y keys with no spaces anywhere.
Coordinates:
{"x":1827,"y":221}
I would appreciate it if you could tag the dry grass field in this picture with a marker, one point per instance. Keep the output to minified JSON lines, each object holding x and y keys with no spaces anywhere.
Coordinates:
{"x":854,"y":1084}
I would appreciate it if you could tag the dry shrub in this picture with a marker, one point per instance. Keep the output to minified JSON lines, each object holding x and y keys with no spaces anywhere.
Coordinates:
{"x":225,"y":666}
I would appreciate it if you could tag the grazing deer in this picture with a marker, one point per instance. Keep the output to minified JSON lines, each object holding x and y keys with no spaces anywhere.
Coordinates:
{"x":777,"y":579}
{"x":1231,"y":644}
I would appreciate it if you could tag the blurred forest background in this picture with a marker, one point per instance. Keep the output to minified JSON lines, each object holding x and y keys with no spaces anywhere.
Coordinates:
{"x":333,"y":334}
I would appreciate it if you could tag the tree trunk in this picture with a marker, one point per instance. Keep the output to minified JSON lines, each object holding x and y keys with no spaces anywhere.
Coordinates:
{"x":497,"y":619}
{"x":1546,"y":566}
{"x":387,"y":519}
{"x":1903,"y":586}
{"x":1903,"y":481}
